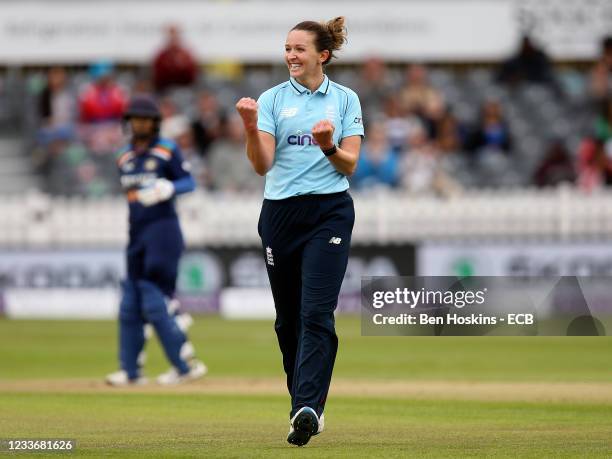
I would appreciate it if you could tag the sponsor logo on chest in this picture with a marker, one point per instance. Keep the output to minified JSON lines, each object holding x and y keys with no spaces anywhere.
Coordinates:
{"x":301,"y":139}
{"x":141,"y":180}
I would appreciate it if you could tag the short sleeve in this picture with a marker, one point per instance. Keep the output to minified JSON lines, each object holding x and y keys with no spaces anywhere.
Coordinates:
{"x":352,"y":123}
{"x":265,"y":114}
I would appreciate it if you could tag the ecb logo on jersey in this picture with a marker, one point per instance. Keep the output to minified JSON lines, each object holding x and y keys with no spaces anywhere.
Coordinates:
{"x":150,"y":164}
{"x":128,"y":167}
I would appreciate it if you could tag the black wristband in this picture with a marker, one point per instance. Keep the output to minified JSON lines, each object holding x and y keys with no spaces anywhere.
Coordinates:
{"x":330,"y":151}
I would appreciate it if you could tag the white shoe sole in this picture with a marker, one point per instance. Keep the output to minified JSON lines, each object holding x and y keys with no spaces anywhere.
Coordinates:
{"x":129,"y":383}
{"x":196,"y":372}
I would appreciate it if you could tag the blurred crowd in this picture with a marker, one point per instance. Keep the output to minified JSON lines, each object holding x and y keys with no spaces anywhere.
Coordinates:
{"x":436,"y":130}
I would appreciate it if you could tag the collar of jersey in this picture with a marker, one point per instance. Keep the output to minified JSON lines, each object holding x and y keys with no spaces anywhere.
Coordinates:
{"x":302,"y":89}
{"x":151,"y":145}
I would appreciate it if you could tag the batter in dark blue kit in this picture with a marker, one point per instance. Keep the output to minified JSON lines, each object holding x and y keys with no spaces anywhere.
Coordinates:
{"x":152,"y":172}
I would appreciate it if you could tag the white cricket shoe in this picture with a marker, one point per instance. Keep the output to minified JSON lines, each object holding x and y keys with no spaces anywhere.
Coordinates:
{"x":304,"y":425}
{"x":172,"y":376}
{"x":120,"y":379}
{"x":321,"y":425}
{"x":319,"y":430}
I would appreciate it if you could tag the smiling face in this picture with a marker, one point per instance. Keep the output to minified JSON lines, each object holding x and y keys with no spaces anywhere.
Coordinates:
{"x":301,"y":55}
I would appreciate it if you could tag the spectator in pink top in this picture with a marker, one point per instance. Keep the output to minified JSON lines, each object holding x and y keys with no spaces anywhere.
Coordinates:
{"x":102,"y":100}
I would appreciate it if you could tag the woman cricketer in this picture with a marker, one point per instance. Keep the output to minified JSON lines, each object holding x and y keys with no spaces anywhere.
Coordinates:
{"x":152,"y":173}
{"x":304,"y":135}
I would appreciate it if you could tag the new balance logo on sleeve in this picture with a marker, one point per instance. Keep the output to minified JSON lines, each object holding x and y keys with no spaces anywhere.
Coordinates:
{"x":335,"y":240}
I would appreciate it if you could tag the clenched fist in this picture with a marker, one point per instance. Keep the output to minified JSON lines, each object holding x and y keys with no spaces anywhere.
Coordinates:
{"x":247,"y":108}
{"x":323,"y":133}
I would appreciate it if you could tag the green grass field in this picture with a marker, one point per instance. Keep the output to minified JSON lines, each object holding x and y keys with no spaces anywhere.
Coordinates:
{"x":391,"y":397}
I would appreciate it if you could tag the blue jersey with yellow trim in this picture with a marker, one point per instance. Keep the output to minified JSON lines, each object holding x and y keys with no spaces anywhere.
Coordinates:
{"x":162,"y":159}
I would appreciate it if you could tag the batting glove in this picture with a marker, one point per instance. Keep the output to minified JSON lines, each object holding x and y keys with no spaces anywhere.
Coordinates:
{"x":161,"y":190}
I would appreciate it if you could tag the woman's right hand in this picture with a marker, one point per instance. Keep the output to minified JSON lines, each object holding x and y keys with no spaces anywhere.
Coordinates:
{"x":247,"y":108}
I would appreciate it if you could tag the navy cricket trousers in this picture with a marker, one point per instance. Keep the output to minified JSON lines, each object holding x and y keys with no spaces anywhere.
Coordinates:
{"x":306,"y":241}
{"x":153,"y":253}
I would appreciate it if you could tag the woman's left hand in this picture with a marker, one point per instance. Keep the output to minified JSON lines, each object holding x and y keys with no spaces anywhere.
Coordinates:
{"x":323,"y":133}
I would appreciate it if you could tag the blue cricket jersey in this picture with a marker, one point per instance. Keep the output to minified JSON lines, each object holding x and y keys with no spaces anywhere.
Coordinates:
{"x":163,"y":159}
{"x":288,"y":111}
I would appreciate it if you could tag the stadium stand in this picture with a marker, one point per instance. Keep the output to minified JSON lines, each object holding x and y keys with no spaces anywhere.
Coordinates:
{"x":77,"y":159}
{"x":385,"y":217}
{"x":470,"y":151}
